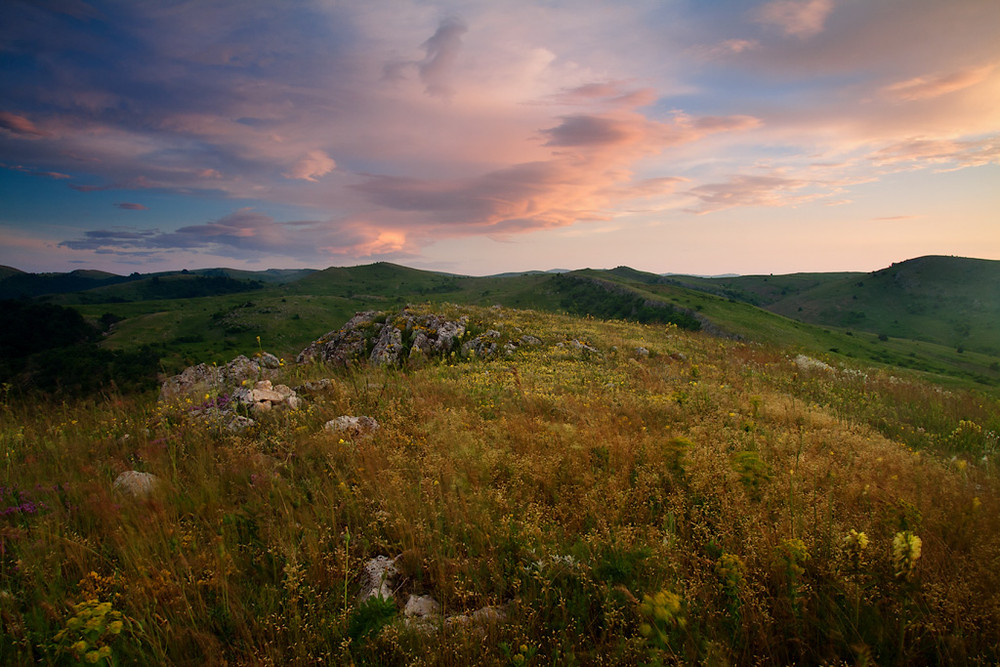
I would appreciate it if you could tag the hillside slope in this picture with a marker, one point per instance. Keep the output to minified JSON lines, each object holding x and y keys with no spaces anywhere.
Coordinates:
{"x":949,"y":301}
{"x":613,"y":493}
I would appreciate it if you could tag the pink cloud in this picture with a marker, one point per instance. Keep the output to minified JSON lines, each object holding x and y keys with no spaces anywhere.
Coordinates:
{"x":743,"y":190}
{"x":129,"y":206}
{"x":436,"y":69}
{"x":922,"y":152}
{"x":442,"y":52}
{"x":316,"y":163}
{"x":19,"y":126}
{"x":925,"y":87}
{"x":798,"y":18}
{"x":587,"y":176}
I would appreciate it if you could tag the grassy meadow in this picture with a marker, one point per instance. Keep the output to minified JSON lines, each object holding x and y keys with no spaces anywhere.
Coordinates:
{"x":710,"y":502}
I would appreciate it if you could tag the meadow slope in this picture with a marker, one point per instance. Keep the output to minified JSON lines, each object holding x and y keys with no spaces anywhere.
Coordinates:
{"x":643,"y":495}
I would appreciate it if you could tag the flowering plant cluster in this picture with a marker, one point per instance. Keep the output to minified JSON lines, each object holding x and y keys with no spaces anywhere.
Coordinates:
{"x":90,"y":631}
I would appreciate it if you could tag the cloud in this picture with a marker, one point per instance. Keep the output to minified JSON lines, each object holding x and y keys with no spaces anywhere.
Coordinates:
{"x":798,"y":18}
{"x":585,"y":130}
{"x":606,"y":93}
{"x":129,"y":206}
{"x":249,"y":234}
{"x":442,"y":52}
{"x":316,"y":163}
{"x":586,"y":177}
{"x":35,"y":172}
{"x":744,"y":190}
{"x":437,"y":68}
{"x":19,"y":126}
{"x":926,"y":87}
{"x":726,"y":48}
{"x":918,"y":153}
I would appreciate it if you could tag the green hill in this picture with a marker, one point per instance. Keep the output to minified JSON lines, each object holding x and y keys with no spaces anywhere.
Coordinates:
{"x":931,"y":315}
{"x":949,"y":301}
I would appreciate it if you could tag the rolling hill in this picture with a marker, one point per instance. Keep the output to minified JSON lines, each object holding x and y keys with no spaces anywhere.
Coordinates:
{"x":930,"y":315}
{"x":950,"y":301}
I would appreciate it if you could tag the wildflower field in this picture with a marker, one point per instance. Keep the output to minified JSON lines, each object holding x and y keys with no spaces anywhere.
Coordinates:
{"x":627,"y":494}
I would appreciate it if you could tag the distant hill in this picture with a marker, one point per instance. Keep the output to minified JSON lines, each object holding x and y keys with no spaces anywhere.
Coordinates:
{"x":934,"y":315}
{"x":8,"y":271}
{"x":16,"y":284}
{"x":950,"y":301}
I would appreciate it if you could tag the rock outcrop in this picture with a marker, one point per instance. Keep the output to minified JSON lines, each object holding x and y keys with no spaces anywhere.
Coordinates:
{"x":196,"y":381}
{"x":393,"y":339}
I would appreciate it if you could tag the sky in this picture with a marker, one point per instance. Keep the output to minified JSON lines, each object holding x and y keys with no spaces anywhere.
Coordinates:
{"x":478,"y":137}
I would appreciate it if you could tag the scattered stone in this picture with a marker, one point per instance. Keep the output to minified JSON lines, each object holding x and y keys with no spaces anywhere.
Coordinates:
{"x":380,"y":578}
{"x":316,"y":387}
{"x":804,"y":363}
{"x":422,"y":605}
{"x":422,"y":613}
{"x":642,"y":353}
{"x":264,"y":396}
{"x":239,"y":424}
{"x":136,"y":484}
{"x":353,"y":426}
{"x":484,"y":345}
{"x":531,"y":341}
{"x":268,"y":360}
{"x":481,"y":617}
{"x":577,"y":345}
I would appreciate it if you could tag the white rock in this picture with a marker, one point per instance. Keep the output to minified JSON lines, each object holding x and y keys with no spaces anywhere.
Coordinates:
{"x":136,"y":484}
{"x":352,"y":425}
{"x":380,"y":577}
{"x":422,"y":605}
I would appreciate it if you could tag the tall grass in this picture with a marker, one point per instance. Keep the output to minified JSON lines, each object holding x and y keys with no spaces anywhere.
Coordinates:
{"x":701,"y":504}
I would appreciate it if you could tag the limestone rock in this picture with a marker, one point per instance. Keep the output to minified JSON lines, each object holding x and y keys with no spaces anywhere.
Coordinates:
{"x":578,"y":346}
{"x":380,"y":578}
{"x":344,"y":345}
{"x":268,"y":360}
{"x":353,"y":426}
{"x":265,"y":396}
{"x":136,"y":484}
{"x":392,"y":339}
{"x":316,"y":387}
{"x":196,"y":381}
{"x":239,"y":424}
{"x":804,"y":363}
{"x":483,"y":345}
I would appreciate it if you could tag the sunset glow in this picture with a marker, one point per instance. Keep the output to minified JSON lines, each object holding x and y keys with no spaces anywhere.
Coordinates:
{"x":476,"y":138}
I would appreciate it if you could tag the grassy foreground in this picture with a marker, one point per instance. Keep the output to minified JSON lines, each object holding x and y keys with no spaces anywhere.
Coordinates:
{"x":712,"y":502}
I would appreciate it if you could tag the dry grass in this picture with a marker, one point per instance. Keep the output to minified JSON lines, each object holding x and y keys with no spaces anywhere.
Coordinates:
{"x":565,"y":484}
